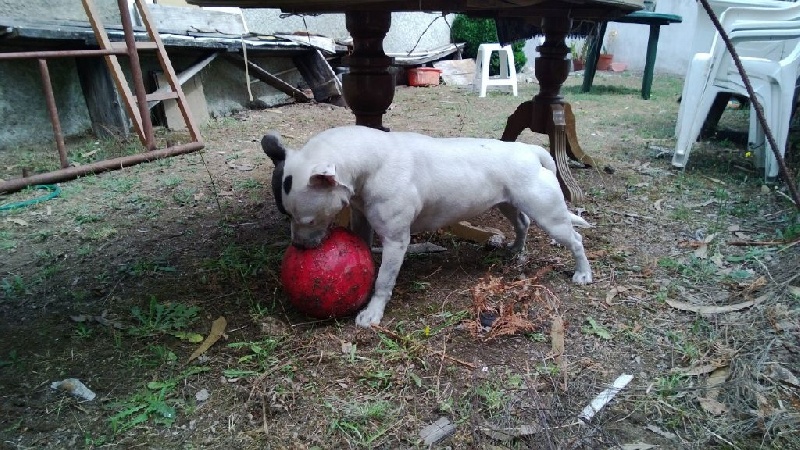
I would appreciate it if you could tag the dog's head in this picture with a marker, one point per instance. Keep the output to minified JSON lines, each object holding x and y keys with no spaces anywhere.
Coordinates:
{"x":309,"y":192}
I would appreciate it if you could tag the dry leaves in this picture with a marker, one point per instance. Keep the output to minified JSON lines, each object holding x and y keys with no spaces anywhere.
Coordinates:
{"x":510,"y":304}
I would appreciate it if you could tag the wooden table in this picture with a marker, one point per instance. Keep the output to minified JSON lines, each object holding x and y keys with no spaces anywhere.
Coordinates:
{"x":369,"y":87}
{"x":655,"y":21}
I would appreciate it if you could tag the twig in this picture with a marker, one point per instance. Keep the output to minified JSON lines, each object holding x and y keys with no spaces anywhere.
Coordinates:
{"x":629,"y":214}
{"x":764,"y":243}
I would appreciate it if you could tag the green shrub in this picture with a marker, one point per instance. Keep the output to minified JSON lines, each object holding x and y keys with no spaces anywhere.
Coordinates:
{"x":474,"y":32}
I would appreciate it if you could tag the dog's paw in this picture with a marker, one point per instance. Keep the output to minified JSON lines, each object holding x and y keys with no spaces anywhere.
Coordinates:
{"x":582,"y":277}
{"x":368,"y":317}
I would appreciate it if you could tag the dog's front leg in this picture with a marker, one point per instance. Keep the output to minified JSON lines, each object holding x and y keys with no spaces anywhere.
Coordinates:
{"x":394,"y":250}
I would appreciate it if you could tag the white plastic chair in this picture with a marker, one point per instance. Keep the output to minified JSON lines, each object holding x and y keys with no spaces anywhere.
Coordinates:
{"x":767,"y":42}
{"x":508,"y":73}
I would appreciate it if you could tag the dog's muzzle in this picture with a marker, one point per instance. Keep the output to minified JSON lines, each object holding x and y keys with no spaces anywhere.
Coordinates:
{"x":313,"y":240}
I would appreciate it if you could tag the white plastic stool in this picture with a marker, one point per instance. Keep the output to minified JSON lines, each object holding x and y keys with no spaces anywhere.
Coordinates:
{"x":508,"y":74}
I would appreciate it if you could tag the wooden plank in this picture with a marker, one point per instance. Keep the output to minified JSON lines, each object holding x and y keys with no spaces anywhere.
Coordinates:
{"x":261,"y":74}
{"x":169,"y":19}
{"x":169,"y":72}
{"x":320,"y":77}
{"x":102,"y":99}
{"x":196,"y":101}
{"x":184,"y":76}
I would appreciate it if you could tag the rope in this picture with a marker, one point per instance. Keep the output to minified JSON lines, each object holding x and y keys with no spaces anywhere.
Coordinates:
{"x":785,"y":173}
{"x":55,"y":191}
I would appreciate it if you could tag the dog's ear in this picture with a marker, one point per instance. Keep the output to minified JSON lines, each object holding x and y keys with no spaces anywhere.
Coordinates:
{"x":271,"y":143}
{"x":323,"y":176}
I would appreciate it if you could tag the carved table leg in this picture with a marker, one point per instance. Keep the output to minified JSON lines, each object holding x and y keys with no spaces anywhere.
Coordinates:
{"x":547,"y":113}
{"x":368,"y":87}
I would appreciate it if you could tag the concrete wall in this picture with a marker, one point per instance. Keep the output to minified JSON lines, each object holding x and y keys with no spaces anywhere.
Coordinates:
{"x":57,"y":9}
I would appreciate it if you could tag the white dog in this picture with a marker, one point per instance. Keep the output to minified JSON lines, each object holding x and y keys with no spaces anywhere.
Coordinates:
{"x":402,"y":183}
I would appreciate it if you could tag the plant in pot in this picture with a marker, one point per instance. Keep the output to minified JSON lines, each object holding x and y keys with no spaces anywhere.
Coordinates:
{"x":606,"y":57}
{"x":578,"y":52}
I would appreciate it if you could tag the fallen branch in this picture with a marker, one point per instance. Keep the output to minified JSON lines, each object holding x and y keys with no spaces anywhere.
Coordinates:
{"x":706,"y":310}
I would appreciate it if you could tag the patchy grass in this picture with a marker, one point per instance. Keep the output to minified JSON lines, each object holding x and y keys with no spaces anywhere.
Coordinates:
{"x":116,"y":281}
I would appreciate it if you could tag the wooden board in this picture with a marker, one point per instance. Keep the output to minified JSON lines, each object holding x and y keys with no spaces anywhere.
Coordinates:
{"x":195,"y":98}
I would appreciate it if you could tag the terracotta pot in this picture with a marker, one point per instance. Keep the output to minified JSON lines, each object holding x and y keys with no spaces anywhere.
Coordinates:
{"x":604,"y":62}
{"x":577,"y":64}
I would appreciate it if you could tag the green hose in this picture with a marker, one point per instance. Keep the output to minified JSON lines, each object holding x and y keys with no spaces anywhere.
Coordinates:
{"x":55,"y":191}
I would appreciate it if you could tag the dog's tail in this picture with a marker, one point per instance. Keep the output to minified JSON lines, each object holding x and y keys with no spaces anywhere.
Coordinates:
{"x":579,"y":222}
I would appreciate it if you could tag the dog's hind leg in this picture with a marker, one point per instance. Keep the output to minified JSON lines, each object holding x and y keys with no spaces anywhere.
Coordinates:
{"x":521,"y":223}
{"x":545,"y":203}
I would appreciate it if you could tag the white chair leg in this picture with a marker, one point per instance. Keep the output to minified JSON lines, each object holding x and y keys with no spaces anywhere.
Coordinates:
{"x":696,"y":102}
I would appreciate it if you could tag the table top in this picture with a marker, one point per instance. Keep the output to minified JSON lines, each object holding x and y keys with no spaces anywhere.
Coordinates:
{"x":649,"y":18}
{"x":583,"y":9}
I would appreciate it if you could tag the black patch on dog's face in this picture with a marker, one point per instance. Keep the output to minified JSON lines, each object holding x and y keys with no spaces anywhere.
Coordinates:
{"x":287,"y":184}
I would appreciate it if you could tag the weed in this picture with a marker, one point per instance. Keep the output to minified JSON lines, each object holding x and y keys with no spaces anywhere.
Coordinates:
{"x":549,"y":370}
{"x":82,"y":331}
{"x":172,"y":181}
{"x":6,"y":241}
{"x":11,"y":360}
{"x":721,"y":194}
{"x":248,"y":184}
{"x":154,"y":403}
{"x":681,"y":213}
{"x":184,"y":196}
{"x":418,"y":286}
{"x":792,"y":230}
{"x":596,"y":329}
{"x":259,"y":355}
{"x":13,"y":286}
{"x":362,"y":423}
{"x":495,"y":397}
{"x":118,"y":184}
{"x":102,"y":233}
{"x":668,"y":386}
{"x":142,"y":267}
{"x":686,"y":349}
{"x":82,"y":217}
{"x":378,"y":379}
{"x":239,"y":263}
{"x":162,"y":354}
{"x":162,"y":318}
{"x":696,"y":270}
{"x":259,"y":311}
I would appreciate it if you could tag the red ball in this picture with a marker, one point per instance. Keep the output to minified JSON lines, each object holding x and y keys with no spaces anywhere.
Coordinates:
{"x":332,"y":280}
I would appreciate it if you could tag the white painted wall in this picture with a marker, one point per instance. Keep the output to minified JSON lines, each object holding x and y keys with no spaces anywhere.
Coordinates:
{"x":629,"y":45}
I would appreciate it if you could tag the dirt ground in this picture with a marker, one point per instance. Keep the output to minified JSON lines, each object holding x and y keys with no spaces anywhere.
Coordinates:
{"x":696,"y":295}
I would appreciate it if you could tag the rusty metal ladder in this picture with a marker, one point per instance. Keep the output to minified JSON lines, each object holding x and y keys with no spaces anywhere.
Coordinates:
{"x":136,"y":102}
{"x":139,"y":111}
